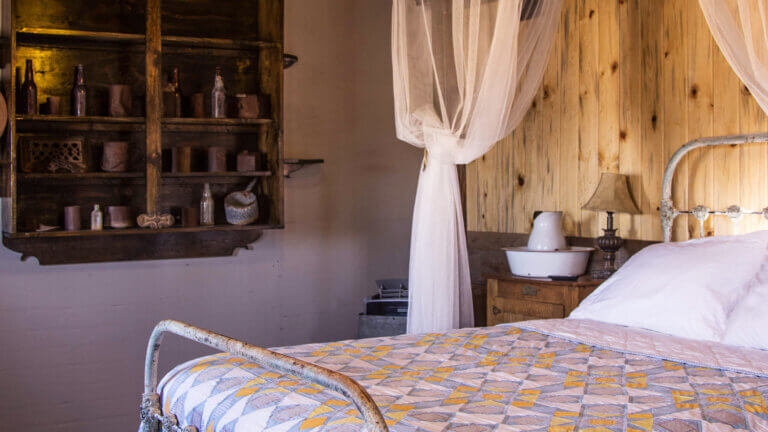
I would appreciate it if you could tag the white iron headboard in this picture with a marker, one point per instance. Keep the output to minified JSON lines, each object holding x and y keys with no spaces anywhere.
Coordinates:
{"x":700,"y":212}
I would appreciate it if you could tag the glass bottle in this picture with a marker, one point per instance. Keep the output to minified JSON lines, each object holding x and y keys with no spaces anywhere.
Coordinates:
{"x":97,"y":219}
{"x":79,"y":92}
{"x":218,"y":97}
{"x":29,"y":91}
{"x":206,"y":206}
{"x":172,"y":95}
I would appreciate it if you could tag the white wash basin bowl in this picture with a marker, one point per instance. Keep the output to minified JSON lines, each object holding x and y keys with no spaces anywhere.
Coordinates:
{"x":565,"y":262}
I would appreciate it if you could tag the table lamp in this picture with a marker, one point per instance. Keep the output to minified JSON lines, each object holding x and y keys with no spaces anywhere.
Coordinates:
{"x":611,"y":196}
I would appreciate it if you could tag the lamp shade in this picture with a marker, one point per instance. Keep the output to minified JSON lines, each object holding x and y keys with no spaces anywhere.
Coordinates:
{"x":612,"y":195}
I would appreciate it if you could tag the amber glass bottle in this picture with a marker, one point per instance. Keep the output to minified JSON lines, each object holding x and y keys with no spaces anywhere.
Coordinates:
{"x":28,"y":103}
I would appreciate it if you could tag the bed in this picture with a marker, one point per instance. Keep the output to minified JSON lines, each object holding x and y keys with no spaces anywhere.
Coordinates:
{"x":577,"y":374}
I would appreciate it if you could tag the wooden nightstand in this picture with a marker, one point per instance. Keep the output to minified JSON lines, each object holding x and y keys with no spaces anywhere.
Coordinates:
{"x":512,"y":299}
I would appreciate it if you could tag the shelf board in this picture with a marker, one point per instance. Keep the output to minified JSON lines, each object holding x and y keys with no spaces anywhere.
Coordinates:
{"x":212,"y":177}
{"x":47,"y":123}
{"x":214,"y":125}
{"x":84,"y":119}
{"x":86,"y":175}
{"x":33,"y":35}
{"x":29,"y":35}
{"x":80,"y":178}
{"x":218,"y":174}
{"x":217,"y":43}
{"x":216,"y":121}
{"x":130,"y":231}
{"x":139,"y":177}
{"x":103,"y":123}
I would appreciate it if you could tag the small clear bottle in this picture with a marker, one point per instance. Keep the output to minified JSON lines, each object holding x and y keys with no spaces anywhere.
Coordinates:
{"x":97,"y":219}
{"x":218,"y":97}
{"x":206,"y":206}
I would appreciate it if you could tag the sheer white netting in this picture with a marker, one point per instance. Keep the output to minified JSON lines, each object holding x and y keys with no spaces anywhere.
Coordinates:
{"x":465,"y":73}
{"x":740,"y":28}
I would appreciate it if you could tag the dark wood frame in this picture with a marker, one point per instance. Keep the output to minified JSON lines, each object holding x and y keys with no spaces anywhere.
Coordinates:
{"x":62,"y":247}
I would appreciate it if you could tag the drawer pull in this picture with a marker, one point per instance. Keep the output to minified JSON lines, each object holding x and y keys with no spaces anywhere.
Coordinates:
{"x":530,"y":290}
{"x":496,"y":310}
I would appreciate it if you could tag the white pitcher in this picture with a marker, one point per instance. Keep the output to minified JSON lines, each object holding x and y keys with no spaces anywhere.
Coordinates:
{"x":547,"y":233}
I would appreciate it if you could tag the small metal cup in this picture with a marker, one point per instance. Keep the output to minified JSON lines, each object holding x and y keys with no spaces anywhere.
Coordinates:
{"x":115,"y":156}
{"x":190,"y":216}
{"x":181,"y":159}
{"x":53,"y":105}
{"x":217,"y":159}
{"x":198,"y":105}
{"x":248,"y":106}
{"x":246,"y":161}
{"x":72,"y":218}
{"x":119,"y":217}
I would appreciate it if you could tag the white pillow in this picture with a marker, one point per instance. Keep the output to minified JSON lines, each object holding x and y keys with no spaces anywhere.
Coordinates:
{"x":684,"y":289}
{"x":747,"y":325}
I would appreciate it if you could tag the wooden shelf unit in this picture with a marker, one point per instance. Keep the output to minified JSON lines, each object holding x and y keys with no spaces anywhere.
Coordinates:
{"x":138,"y":46}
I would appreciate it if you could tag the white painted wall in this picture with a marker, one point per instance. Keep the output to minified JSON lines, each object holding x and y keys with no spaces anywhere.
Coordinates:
{"x":72,"y":338}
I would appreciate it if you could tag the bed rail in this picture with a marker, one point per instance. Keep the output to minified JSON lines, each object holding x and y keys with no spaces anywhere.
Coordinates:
{"x":153,"y":419}
{"x":667,"y":210}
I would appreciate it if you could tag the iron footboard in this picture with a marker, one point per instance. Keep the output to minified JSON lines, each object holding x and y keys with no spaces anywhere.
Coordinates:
{"x":153,"y":419}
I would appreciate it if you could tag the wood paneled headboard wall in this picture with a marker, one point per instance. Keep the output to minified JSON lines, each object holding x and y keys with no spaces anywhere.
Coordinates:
{"x":628,"y":83}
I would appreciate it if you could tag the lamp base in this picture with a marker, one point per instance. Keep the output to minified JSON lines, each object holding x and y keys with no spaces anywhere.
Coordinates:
{"x":609,"y":243}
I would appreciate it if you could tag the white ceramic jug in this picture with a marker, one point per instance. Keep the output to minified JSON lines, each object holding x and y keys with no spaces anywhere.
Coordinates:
{"x":547,"y":233}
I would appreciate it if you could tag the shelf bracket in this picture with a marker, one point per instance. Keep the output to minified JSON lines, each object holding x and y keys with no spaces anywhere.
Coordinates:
{"x":290,"y":166}
{"x":289,"y":60}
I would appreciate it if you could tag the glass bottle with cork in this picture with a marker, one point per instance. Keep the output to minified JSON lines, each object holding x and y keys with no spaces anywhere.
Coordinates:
{"x":79,"y":93}
{"x":218,"y":97}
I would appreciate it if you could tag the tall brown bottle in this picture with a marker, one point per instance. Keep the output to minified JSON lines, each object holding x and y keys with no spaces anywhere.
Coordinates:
{"x":28,"y":94}
{"x":172,"y":95}
{"x":79,"y":93}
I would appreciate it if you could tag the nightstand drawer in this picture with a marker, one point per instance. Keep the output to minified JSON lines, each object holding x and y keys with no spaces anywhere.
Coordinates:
{"x":512,"y":299}
{"x":502,"y":308}
{"x":530,"y":291}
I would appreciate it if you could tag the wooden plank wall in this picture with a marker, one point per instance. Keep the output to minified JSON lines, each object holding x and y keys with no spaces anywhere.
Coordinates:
{"x":628,"y":83}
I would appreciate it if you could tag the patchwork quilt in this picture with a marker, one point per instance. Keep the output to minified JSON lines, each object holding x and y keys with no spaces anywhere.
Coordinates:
{"x":500,"y":378}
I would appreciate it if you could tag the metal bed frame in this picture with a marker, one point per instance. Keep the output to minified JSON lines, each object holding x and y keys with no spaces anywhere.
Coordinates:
{"x":735,"y":212}
{"x":154,"y":420}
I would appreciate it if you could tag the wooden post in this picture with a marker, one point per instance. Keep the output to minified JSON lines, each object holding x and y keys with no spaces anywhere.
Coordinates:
{"x":152,"y":218}
{"x":9,"y":77}
{"x":154,"y":132}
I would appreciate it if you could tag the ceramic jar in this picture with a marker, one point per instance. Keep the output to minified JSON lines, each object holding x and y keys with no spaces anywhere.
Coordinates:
{"x":547,"y":233}
{"x":120,"y":100}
